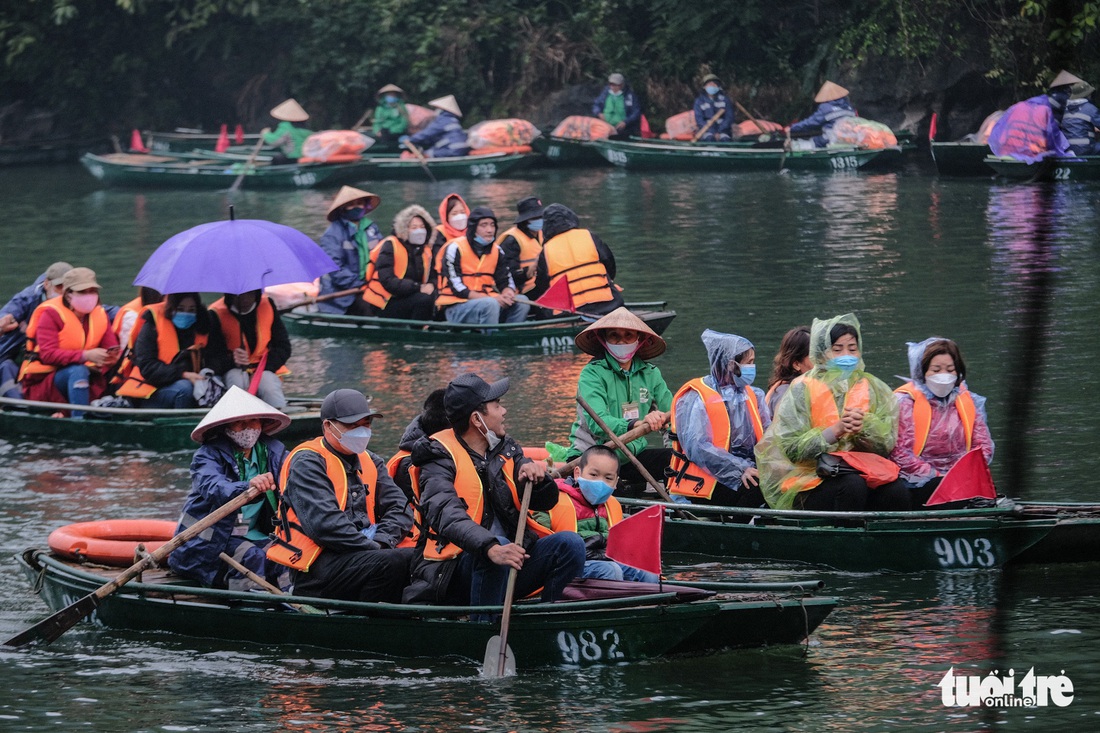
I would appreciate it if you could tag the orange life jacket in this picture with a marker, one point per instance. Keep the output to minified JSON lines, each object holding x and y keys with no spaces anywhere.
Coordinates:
{"x":291,"y":546}
{"x":823,"y":413}
{"x":168,"y":348}
{"x":71,"y":337}
{"x":134,"y":306}
{"x":469,"y":488}
{"x":234,"y":339}
{"x":563,"y":517}
{"x":529,"y":250}
{"x":414,"y":533}
{"x":126,"y":364}
{"x":478,"y":273}
{"x":688,"y":478}
{"x":922,"y":414}
{"x":374,"y":292}
{"x":573,"y":254}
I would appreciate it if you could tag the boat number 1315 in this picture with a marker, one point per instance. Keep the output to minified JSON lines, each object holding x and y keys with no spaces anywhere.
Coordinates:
{"x":964,"y":553}
{"x":587,"y":646}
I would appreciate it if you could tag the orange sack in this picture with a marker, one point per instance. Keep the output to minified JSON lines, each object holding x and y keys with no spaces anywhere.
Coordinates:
{"x":579,"y":127}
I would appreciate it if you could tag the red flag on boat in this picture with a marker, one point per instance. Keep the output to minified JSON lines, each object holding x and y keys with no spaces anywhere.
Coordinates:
{"x":967,"y":479}
{"x":238,"y":135}
{"x":558,"y":297}
{"x":223,"y":140}
{"x":932,"y":128}
{"x":136,"y":145}
{"x":636,"y":541}
{"x":646,"y":130}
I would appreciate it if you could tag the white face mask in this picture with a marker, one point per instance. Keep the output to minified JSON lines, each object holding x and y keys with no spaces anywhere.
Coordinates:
{"x":244,"y":439}
{"x":355,"y":440}
{"x":492,"y":437}
{"x":623,"y":353}
{"x":418,"y":236}
{"x":941,"y":384}
{"x":458,"y":221}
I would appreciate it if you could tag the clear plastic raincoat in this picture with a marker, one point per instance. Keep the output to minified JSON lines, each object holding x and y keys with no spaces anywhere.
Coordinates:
{"x":792,"y":444}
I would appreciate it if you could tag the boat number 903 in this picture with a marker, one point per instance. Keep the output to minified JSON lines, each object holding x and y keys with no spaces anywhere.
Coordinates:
{"x":486,"y":170}
{"x":843,"y":162}
{"x":964,"y":553}
{"x":586,"y":646}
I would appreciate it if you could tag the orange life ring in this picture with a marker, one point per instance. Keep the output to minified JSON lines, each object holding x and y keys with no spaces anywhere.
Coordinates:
{"x":111,"y":541}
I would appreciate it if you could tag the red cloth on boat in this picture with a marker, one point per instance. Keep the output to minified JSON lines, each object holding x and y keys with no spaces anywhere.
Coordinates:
{"x":636,"y":541}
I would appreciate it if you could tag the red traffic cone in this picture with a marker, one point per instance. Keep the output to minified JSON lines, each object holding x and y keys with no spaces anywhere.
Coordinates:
{"x":136,"y":145}
{"x":238,"y":135}
{"x":223,"y":140}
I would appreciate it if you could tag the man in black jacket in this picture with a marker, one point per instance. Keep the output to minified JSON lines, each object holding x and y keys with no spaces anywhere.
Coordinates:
{"x":471,"y":480}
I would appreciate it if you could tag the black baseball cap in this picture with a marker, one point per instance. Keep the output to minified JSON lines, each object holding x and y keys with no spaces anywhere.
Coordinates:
{"x":347,"y":406}
{"x":468,"y":392}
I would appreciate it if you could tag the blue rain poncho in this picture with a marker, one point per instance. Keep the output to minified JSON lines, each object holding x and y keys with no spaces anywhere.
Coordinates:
{"x":693,"y":427}
{"x":792,"y":444}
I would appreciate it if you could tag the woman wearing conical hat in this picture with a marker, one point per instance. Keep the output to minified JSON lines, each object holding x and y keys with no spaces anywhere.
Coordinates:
{"x":348,"y":241}
{"x":391,"y":118}
{"x":1080,"y":117}
{"x":444,"y":136}
{"x":832,"y":105}
{"x":624,"y":389}
{"x":237,"y":455}
{"x":286,"y":137}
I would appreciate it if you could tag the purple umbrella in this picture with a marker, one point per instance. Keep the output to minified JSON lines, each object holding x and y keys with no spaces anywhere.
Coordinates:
{"x":233,"y":256}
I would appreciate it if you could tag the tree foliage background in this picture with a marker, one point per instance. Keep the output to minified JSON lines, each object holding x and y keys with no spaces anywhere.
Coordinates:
{"x":99,"y":65}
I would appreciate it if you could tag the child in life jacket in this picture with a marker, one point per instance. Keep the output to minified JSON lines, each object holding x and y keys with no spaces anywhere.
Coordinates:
{"x":587,"y":507}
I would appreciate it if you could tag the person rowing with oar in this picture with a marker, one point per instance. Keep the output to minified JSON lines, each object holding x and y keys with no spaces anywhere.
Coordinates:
{"x":348,"y":241}
{"x":711,"y":103}
{"x":286,"y":137}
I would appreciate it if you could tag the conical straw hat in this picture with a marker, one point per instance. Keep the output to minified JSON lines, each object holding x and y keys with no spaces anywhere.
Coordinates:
{"x":1065,"y":78}
{"x":237,"y":404}
{"x":390,"y":88}
{"x":347,"y":194}
{"x":1080,"y":90}
{"x":830,"y":92}
{"x":290,"y":111}
{"x":588,"y":340}
{"x":447,"y":104}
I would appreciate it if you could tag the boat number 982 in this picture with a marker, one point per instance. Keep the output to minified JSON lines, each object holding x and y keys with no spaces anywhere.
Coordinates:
{"x":587,"y":646}
{"x":483,"y":170}
{"x":844,"y":161}
{"x":964,"y":553}
{"x":305,"y":180}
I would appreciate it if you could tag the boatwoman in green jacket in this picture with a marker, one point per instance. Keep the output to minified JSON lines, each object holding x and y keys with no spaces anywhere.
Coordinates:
{"x":623,"y":388}
{"x":286,"y":137}
{"x":391,"y":117}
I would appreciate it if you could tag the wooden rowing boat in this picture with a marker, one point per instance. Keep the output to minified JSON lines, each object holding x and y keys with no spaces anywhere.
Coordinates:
{"x":179,"y":141}
{"x":867,"y":541}
{"x":554,"y":333}
{"x":563,"y":151}
{"x":494,"y":165}
{"x":1075,"y":537}
{"x":570,"y":634}
{"x":126,"y":169}
{"x":1080,"y":168}
{"x":160,"y":430}
{"x":728,"y":157}
{"x":961,"y":159}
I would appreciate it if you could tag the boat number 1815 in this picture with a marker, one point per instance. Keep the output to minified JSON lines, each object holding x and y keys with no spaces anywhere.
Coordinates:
{"x":964,"y":553}
{"x":587,"y":646}
{"x":841,"y":162}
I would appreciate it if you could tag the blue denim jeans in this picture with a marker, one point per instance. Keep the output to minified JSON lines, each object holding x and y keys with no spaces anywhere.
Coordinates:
{"x":176,"y":396}
{"x":554,"y":561}
{"x":611,"y":570}
{"x":72,"y":383}
{"x":487,"y":310}
{"x":9,"y":382}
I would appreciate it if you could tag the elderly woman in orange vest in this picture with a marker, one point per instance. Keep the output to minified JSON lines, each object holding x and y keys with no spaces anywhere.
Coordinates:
{"x":716,"y":423}
{"x":827,"y":445}
{"x":70,"y":345}
{"x":399,"y":275}
{"x":939,"y":418}
{"x":256,"y":339}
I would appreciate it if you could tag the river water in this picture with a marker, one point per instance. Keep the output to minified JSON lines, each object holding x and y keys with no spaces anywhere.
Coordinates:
{"x":1010,"y":271}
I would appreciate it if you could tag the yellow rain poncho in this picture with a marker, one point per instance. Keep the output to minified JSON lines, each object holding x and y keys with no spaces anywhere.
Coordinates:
{"x":787,"y":455}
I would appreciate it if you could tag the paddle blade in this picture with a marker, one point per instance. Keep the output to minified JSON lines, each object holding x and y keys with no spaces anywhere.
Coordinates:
{"x":491,"y":667}
{"x":558,"y":296}
{"x":967,"y":479}
{"x":636,"y":541}
{"x":50,"y":628}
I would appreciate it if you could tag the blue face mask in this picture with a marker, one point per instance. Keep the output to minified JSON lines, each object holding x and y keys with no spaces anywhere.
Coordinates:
{"x":184,"y":320}
{"x":355,"y":214}
{"x":481,"y":240}
{"x":844,"y":363}
{"x":390,"y":99}
{"x":535,"y":225}
{"x":748,"y":374}
{"x":711,"y":89}
{"x":594,"y":492}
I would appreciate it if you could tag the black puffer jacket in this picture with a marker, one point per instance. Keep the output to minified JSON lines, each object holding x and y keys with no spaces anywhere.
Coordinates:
{"x":558,"y":219}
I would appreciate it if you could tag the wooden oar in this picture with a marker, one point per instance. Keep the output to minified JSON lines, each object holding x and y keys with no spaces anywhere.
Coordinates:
{"x":362,"y":120}
{"x":707,"y":126}
{"x":786,"y":149}
{"x":420,"y":157}
{"x":270,"y":588}
{"x":640,"y":430}
{"x":54,"y":626}
{"x":751,"y":118}
{"x":499,"y":659}
{"x":247,"y":165}
{"x":319,"y":298}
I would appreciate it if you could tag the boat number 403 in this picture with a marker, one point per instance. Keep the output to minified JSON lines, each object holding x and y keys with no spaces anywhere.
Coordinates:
{"x":588,"y":646}
{"x":843,"y":162}
{"x":964,"y":553}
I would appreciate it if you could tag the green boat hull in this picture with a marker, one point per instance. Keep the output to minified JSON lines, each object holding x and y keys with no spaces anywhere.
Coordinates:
{"x":1083,"y":168}
{"x":913,"y":542}
{"x":554,"y":333}
{"x":541,"y":635}
{"x":961,"y":159}
{"x":1075,"y":537}
{"x":123,"y":170}
{"x":698,"y":157}
{"x":560,"y":151}
{"x":468,"y":166}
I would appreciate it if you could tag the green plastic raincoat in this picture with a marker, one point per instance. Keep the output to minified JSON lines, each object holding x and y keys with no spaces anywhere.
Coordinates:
{"x":287,"y":138}
{"x":790,"y":448}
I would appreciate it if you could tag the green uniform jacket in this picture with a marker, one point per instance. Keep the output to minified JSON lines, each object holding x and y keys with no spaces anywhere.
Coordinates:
{"x":606,"y":387}
{"x":394,"y":120}
{"x":289,"y":138}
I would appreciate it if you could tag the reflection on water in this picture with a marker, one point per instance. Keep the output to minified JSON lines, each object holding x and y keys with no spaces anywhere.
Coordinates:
{"x":751,"y":254}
